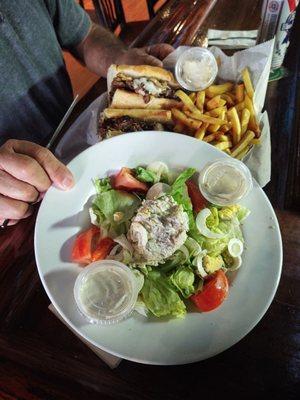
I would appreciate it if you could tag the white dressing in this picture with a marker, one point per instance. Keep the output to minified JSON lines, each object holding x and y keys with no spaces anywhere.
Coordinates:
{"x":106,"y":291}
{"x":225,"y":181}
{"x":196,"y":72}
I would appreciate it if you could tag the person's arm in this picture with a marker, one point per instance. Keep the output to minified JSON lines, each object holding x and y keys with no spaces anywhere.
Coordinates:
{"x":101,"y":48}
{"x":27,"y":170}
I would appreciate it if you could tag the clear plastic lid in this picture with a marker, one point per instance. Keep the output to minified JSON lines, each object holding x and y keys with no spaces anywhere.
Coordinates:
{"x":225,"y":182}
{"x":106,"y":292}
{"x":196,"y":69}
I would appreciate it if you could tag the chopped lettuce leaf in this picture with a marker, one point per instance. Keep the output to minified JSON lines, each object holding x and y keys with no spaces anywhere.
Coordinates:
{"x":107,"y":205}
{"x":113,"y":201}
{"x":212,"y":221}
{"x":161,"y":172}
{"x":160,"y":296}
{"x":145,"y":175}
{"x":180,"y":194}
{"x":230,"y":229}
{"x":242,"y":213}
{"x":183,"y":279}
{"x":140,"y":279}
{"x":180,"y":257}
{"x":179,"y":183}
{"x":193,"y":247}
{"x":140,"y":307}
{"x":102,"y":185}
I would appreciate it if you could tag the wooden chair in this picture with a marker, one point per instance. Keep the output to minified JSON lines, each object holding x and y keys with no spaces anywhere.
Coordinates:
{"x":151,"y":5}
{"x":110,"y":14}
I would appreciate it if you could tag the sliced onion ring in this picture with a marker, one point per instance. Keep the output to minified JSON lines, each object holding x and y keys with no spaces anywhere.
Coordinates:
{"x":123,"y":241}
{"x":158,"y":190}
{"x":235,"y":247}
{"x":203,"y":229}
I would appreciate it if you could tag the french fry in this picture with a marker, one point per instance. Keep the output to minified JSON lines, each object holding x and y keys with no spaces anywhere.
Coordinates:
{"x":226,"y":128}
{"x":236,"y":126}
{"x":209,"y":138}
{"x":228,"y":99}
{"x":255,"y":141}
{"x":189,"y":122}
{"x":240,"y":106}
{"x":217,"y":112}
{"x":200,"y":100}
{"x":253,"y":124}
{"x":242,"y":154}
{"x":178,"y":127}
{"x":215,"y":102}
{"x":215,"y":90}
{"x":186,"y":101}
{"x":223,"y":145}
{"x":232,"y":96}
{"x":212,"y":128}
{"x":244,"y":120}
{"x":248,"y":83}
{"x":201,"y":131}
{"x":239,"y":92}
{"x":227,"y":151}
{"x":243,"y":143}
{"x":221,"y":137}
{"x":192,"y":96}
{"x":215,"y":127}
{"x":207,"y":118}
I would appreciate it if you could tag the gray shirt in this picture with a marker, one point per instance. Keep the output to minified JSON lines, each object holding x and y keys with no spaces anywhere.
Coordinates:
{"x":35,"y":88}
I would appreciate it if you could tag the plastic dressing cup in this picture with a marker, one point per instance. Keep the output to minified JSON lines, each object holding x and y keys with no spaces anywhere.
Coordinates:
{"x":196,"y":69}
{"x":106,"y":292}
{"x":225,"y":182}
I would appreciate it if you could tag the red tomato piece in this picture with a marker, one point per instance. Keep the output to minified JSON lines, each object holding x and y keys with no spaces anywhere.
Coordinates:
{"x":82,"y":248}
{"x":88,"y":248}
{"x":124,"y":180}
{"x":103,"y":249}
{"x":214,"y":292}
{"x":198,"y":201}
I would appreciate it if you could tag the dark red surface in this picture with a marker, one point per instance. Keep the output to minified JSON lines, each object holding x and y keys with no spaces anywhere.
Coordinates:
{"x":41,"y":359}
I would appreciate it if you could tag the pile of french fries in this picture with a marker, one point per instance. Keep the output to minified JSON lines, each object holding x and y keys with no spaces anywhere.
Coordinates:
{"x":222,"y":115}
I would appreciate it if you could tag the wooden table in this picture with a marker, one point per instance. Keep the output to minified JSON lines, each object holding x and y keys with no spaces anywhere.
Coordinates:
{"x":41,"y":359}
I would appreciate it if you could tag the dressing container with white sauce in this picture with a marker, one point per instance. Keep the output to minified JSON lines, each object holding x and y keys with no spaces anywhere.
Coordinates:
{"x":106,"y":292}
{"x":225,"y":182}
{"x":196,"y":69}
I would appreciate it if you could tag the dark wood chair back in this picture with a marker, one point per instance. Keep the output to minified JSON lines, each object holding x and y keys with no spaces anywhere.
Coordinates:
{"x":110,"y":13}
{"x":151,"y":5}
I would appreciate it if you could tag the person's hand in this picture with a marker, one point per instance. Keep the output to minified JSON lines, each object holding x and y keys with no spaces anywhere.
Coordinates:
{"x":150,"y":55}
{"x":27,"y":170}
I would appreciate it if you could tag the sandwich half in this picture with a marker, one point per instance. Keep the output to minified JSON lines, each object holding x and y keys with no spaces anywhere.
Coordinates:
{"x":142,"y":86}
{"x":114,"y":122}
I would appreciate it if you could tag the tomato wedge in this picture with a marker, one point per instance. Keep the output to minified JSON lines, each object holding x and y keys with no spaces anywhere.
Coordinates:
{"x":124,"y":180}
{"x":88,"y":248}
{"x":82,"y":248}
{"x":103,"y":249}
{"x":214,"y":292}
{"x":198,"y":201}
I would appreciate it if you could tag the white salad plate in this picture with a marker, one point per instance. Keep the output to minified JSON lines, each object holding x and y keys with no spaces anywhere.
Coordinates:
{"x":63,"y":215}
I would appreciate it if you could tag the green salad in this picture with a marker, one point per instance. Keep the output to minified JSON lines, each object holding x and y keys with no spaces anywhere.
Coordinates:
{"x":179,"y":245}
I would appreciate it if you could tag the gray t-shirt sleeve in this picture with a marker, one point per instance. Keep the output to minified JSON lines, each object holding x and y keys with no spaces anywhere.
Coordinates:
{"x":70,"y":21}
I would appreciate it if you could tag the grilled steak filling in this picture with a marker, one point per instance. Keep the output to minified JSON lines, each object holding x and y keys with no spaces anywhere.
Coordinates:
{"x":143,"y":86}
{"x":115,"y":126}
